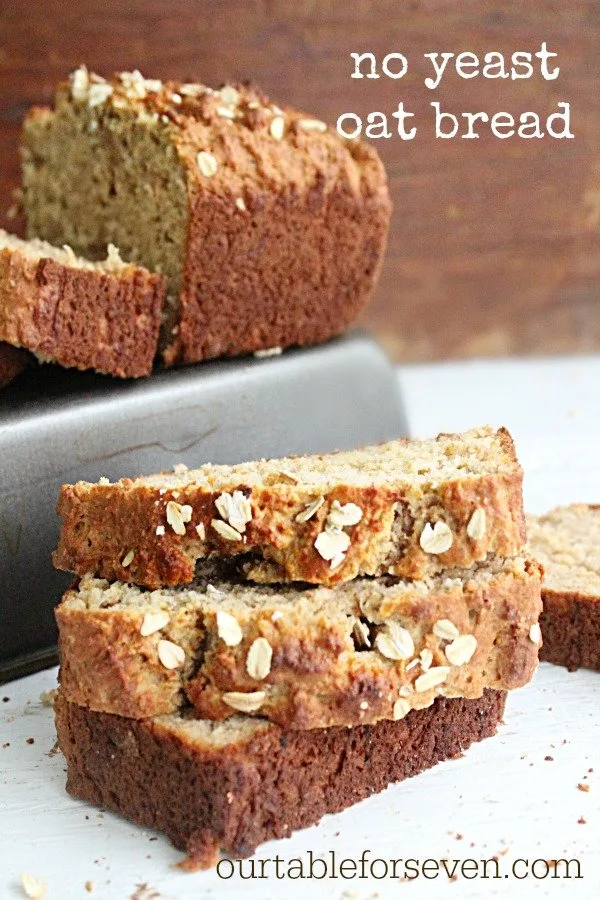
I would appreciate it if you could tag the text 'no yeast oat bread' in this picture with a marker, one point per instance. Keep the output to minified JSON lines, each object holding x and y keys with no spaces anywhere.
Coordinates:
{"x":409,"y":508}
{"x":567,"y":543}
{"x":104,"y":316}
{"x":304,"y":657}
{"x":270,"y":228}
{"x":230,"y":786}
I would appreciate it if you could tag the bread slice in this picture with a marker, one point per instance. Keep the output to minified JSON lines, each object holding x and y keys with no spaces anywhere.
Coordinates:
{"x":301,"y":656}
{"x":104,"y":316}
{"x":228,"y":787}
{"x":270,"y":228}
{"x":567,"y":543}
{"x":410,"y":508}
{"x":12,"y":362}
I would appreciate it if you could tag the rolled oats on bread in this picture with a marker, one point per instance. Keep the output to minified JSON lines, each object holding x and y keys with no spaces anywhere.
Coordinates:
{"x":405,"y":508}
{"x":300,"y":655}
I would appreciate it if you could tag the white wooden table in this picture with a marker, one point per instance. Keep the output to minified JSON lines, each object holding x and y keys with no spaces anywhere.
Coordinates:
{"x":514,"y":797}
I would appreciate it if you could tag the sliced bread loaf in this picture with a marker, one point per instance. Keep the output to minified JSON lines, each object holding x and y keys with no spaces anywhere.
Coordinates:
{"x":301,"y":656}
{"x":213,"y":787}
{"x":103,"y":316}
{"x":410,"y":508}
{"x":269,"y":227}
{"x":567,"y":543}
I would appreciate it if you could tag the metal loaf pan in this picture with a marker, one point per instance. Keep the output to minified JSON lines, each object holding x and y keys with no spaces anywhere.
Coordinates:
{"x":62,"y":426}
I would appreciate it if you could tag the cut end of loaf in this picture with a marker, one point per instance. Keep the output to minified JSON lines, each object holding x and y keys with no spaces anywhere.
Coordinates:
{"x":95,"y":175}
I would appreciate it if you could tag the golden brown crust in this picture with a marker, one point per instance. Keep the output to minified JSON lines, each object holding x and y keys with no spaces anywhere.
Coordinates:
{"x":79,"y":317}
{"x":319,"y":676}
{"x":260,"y":784}
{"x":308,"y":242}
{"x":102,"y":523}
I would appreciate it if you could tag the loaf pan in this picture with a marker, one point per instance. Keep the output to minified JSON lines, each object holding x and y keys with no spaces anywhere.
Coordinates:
{"x":61,"y":426}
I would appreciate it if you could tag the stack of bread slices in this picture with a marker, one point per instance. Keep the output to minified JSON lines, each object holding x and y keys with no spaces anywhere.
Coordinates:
{"x":267,"y":642}
{"x":206,"y":223}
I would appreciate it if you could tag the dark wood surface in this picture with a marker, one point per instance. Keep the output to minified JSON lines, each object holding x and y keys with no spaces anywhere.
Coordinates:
{"x":494,"y":247}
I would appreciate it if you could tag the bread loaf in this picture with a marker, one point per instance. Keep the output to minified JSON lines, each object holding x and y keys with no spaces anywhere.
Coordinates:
{"x":269,"y":227}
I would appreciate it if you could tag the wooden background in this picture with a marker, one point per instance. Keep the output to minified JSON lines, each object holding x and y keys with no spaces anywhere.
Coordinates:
{"x":494,"y":247}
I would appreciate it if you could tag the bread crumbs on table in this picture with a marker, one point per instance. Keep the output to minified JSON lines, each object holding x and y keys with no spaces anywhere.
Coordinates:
{"x":581,"y":821}
{"x":583,"y":787}
{"x":144,"y":892}
{"x":548,"y":759}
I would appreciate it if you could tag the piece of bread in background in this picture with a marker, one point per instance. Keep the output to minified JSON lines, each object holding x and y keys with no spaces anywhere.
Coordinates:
{"x":87,"y":315}
{"x":567,"y":543}
{"x":270,"y":228}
